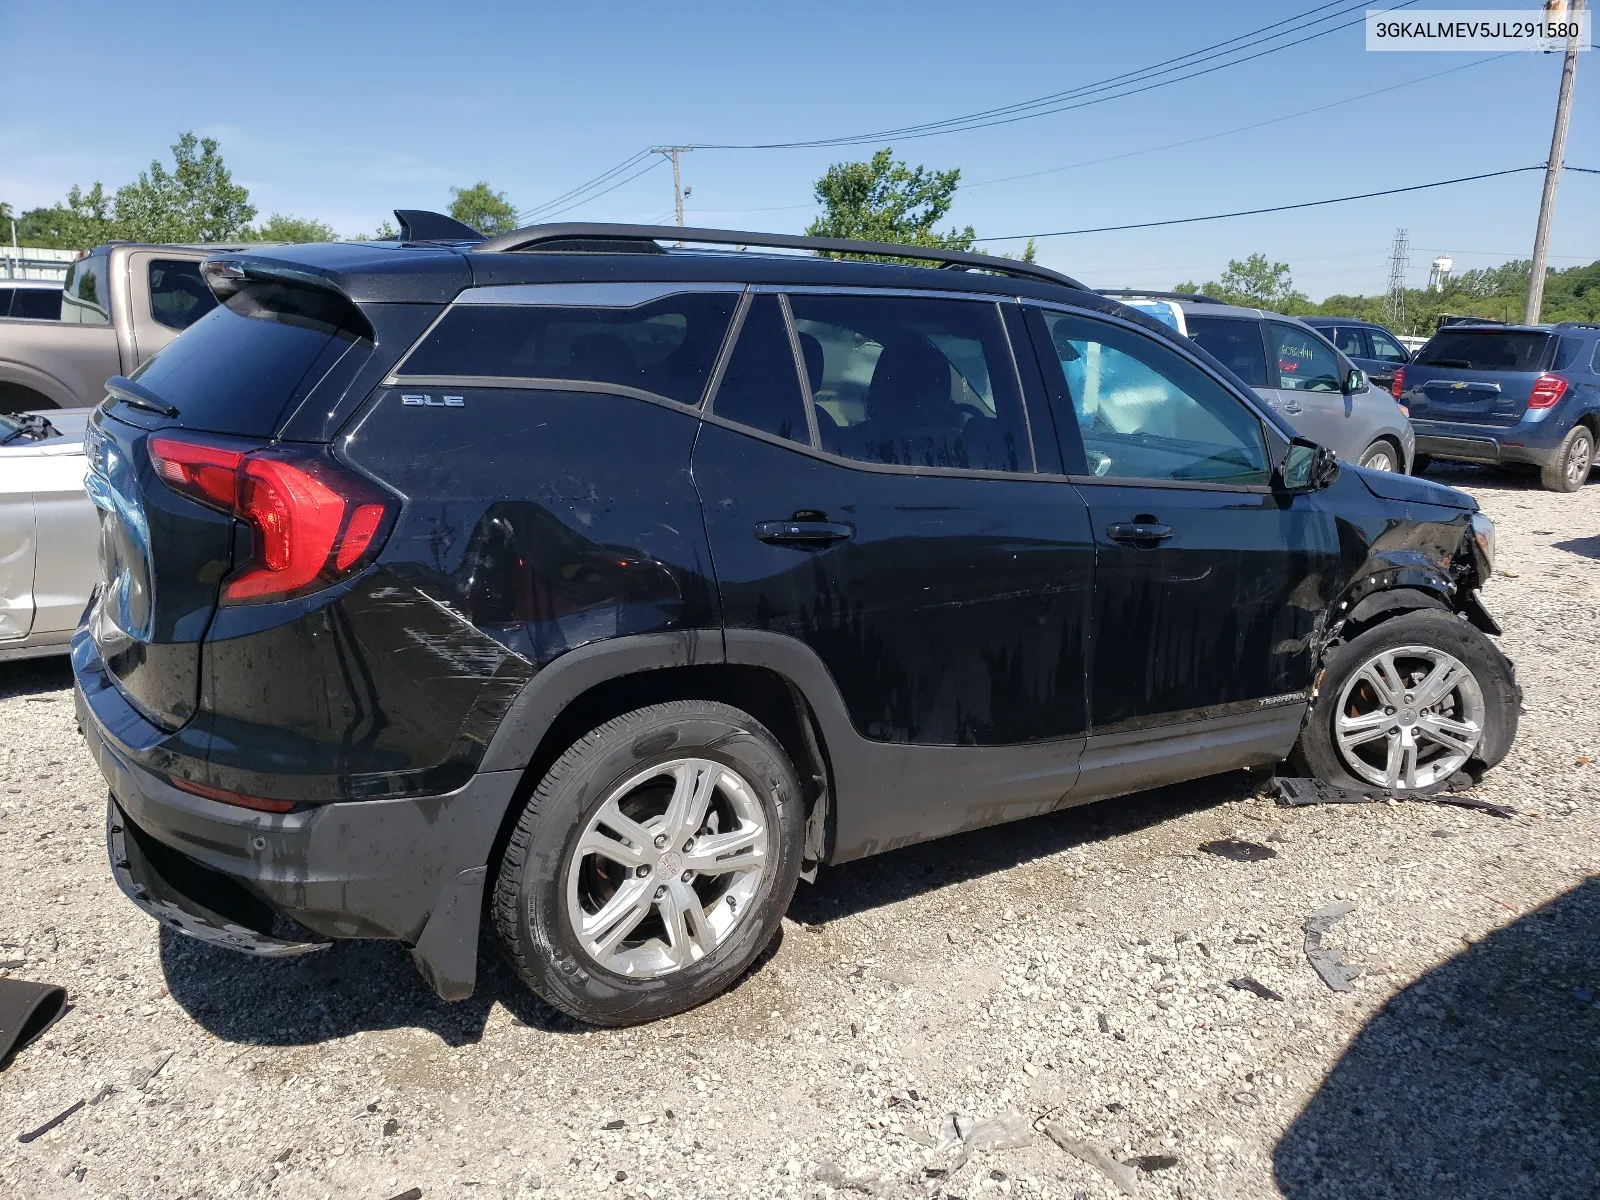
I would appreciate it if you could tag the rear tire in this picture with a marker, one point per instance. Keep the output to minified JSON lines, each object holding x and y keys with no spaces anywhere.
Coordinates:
{"x":1480,"y":707}
{"x":628,"y":932}
{"x":1382,"y":455}
{"x":1569,"y":469}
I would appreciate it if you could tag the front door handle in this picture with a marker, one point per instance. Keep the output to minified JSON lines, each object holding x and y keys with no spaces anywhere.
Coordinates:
{"x":803,"y":533}
{"x":1138,"y":533}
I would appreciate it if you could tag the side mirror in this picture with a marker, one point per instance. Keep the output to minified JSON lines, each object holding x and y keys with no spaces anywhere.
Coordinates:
{"x":1355,"y":382}
{"x":1307,"y":467}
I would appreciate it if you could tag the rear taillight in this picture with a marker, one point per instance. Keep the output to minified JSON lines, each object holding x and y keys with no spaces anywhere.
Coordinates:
{"x":1547,"y":389}
{"x":312,"y":521}
{"x":1398,"y":383}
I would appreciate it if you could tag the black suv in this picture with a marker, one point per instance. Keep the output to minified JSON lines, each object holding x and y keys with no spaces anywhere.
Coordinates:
{"x":602,"y":590}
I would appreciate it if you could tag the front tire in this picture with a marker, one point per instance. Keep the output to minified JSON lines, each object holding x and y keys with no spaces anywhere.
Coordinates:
{"x":1382,"y":455}
{"x":1569,"y":469}
{"x":1408,"y":704}
{"x":652,"y":864}
{"x":1420,"y":463}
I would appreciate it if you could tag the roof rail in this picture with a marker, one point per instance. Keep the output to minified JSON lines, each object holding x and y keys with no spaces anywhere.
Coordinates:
{"x":1577,"y":325}
{"x":1146,"y":293}
{"x":420,"y":225}
{"x":609,"y":238}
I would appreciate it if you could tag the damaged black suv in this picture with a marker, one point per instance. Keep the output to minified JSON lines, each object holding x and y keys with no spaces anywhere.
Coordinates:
{"x":600,"y":590}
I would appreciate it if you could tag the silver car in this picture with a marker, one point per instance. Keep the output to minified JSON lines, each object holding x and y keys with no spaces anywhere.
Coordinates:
{"x":49,"y":532}
{"x":1296,"y":371}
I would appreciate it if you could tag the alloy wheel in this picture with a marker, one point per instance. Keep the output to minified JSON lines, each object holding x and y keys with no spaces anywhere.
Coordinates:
{"x":1409,"y":717}
{"x":667,"y":868}
{"x":1579,"y":462}
{"x":1379,"y":460}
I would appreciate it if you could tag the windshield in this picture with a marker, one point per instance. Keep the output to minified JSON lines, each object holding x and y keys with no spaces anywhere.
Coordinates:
{"x":1486,"y":350}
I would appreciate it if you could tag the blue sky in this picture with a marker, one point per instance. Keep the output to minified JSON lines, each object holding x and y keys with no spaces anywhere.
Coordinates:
{"x":345,"y":111}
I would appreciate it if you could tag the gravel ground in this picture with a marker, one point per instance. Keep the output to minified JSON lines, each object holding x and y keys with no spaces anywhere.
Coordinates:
{"x":1073,"y":970}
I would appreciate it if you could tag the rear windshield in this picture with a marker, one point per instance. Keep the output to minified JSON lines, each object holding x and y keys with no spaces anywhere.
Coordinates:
{"x":666,"y":347}
{"x":245,"y":364}
{"x":1486,"y":350}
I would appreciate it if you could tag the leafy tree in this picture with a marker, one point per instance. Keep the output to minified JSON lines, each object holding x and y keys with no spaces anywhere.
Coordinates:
{"x":1254,"y":283}
{"x":486,"y":210}
{"x":197,"y":201}
{"x":884,"y":200}
{"x":83,"y":220}
{"x":282,"y":228}
{"x":385,"y":232}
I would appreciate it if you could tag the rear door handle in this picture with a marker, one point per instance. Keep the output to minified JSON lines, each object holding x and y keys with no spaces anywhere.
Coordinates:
{"x":1291,"y":406}
{"x":803,"y":533}
{"x":1138,"y":533}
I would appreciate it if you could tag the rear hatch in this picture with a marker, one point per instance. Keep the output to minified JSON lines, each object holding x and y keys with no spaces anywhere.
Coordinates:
{"x":165,"y":453}
{"x":1479,"y":376}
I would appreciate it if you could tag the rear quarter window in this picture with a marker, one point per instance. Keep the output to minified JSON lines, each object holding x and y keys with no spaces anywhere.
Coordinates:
{"x":1235,"y":343}
{"x":1486,"y":350}
{"x":665,"y":347}
{"x":243,"y":366}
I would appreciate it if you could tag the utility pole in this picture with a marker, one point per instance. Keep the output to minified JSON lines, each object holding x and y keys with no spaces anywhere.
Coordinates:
{"x":1399,"y":259}
{"x":677,"y":179}
{"x":1552,"y":176}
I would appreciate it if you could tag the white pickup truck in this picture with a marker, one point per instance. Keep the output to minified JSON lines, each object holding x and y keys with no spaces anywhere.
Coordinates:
{"x":120,"y":304}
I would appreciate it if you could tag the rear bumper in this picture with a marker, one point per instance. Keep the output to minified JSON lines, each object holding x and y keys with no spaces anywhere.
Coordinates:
{"x":411,"y":869}
{"x":1461,"y":442}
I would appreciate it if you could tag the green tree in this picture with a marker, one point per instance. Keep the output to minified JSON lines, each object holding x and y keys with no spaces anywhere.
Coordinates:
{"x":1255,"y":283}
{"x":81,"y":221}
{"x":282,"y":228}
{"x":197,"y":201}
{"x":486,"y":210}
{"x":884,"y":200}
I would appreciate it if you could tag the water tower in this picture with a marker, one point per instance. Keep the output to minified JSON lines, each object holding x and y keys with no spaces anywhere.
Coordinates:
{"x":1440,"y":272}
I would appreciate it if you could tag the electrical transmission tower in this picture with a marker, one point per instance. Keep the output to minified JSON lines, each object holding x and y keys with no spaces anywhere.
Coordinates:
{"x":1399,"y":259}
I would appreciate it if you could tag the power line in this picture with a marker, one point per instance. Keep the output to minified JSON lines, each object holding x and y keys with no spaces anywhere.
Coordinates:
{"x":633,"y":159}
{"x":547,"y":214}
{"x":1305,"y":112}
{"x":1047,"y":105}
{"x":1251,"y":212}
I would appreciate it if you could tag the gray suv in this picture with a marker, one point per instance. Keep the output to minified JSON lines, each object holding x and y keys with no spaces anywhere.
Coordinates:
{"x":1297,"y":371}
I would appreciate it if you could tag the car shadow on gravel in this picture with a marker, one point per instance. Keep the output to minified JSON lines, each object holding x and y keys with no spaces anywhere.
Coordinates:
{"x":35,"y":676}
{"x":1588,"y":547}
{"x":870,"y":883}
{"x":1481,"y":1079}
{"x":351,"y":987}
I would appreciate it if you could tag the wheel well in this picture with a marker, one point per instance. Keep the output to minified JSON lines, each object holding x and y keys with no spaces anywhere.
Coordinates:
{"x":1380,"y":606}
{"x":764,"y":694}
{"x":19,"y":397}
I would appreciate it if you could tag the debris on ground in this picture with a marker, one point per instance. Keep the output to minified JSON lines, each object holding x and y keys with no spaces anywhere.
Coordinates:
{"x":1124,"y":1176}
{"x":409,"y":1194}
{"x":1237,"y":850}
{"x":35,"y":1134}
{"x":27,"y":1010}
{"x":1329,"y":964}
{"x":140,"y":1077}
{"x":1298,"y":793}
{"x":1245,"y":984}
{"x":1009,"y":1131}
{"x":1153,"y":1162}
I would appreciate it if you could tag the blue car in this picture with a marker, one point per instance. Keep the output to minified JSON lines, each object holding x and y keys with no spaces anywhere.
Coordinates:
{"x":1507,"y":395}
{"x":1370,"y":346}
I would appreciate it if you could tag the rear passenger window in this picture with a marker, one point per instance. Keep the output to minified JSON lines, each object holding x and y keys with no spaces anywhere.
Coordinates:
{"x":664,"y":347}
{"x":1236,"y":344}
{"x":913,"y":382}
{"x":1147,"y":413}
{"x":1348,"y":340}
{"x":178,"y":296}
{"x":760,"y":387}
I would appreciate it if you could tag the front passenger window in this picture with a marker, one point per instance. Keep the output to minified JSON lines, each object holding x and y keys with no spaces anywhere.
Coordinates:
{"x":1145,"y":412}
{"x":1305,"y":364}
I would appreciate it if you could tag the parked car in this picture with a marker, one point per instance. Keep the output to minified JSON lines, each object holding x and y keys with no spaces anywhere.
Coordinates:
{"x":1296,"y":370}
{"x":120,"y":304}
{"x":1369,"y":345}
{"x":1510,"y":395}
{"x":607,"y":589}
{"x":48,"y":532}
{"x":30,"y":299}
